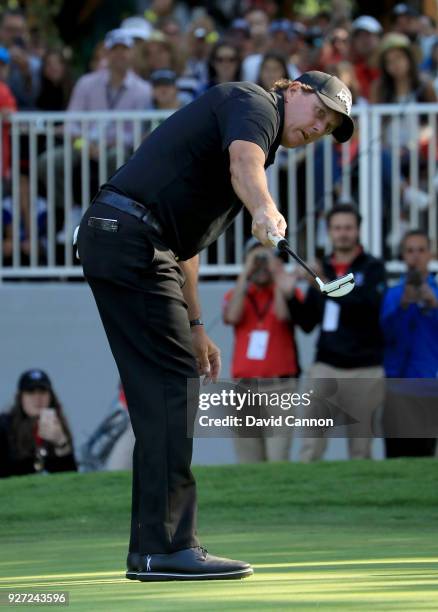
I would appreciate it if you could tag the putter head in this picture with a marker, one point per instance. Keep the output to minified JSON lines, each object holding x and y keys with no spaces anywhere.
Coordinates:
{"x":339,"y":287}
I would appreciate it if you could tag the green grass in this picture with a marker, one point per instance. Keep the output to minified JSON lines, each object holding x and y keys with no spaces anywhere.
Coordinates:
{"x":329,"y":536}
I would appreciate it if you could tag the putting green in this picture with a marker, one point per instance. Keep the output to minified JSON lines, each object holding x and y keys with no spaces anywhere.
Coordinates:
{"x":355,"y":551}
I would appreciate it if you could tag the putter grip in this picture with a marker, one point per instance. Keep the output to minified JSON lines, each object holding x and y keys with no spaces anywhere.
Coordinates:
{"x":277,"y":241}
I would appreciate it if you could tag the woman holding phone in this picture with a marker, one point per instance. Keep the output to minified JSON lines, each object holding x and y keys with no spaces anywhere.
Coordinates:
{"x":34,"y":434}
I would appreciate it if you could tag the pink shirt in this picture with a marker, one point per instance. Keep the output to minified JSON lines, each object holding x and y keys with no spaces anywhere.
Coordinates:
{"x":92,"y":92}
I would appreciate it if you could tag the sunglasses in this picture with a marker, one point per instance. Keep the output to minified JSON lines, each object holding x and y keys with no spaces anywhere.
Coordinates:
{"x":223,"y":60}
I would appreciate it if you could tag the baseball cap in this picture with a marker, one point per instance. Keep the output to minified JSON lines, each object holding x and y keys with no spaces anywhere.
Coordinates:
{"x":163,"y":77}
{"x":404,"y":9}
{"x":394,"y":40}
{"x":282,"y":25}
{"x":297,"y":28}
{"x":34,"y":379}
{"x":118,"y":37}
{"x":334,"y":94}
{"x":200,"y":32}
{"x":367,"y":24}
{"x":240,"y":24}
{"x":137,"y":27}
{"x":4,"y":55}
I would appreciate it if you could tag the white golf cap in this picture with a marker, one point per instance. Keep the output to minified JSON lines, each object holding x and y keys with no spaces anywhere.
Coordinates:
{"x":118,"y":37}
{"x":368,"y":24}
{"x":137,"y":27}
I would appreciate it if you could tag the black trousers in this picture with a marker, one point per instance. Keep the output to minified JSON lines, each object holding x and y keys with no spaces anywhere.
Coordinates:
{"x":407,"y":418}
{"x":409,"y":447}
{"x":136,"y":283}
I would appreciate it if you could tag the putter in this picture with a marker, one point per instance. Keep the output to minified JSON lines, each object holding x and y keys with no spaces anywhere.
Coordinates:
{"x":337,"y":288}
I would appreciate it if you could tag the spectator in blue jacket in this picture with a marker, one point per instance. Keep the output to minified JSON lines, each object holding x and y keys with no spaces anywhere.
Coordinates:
{"x":409,"y":320}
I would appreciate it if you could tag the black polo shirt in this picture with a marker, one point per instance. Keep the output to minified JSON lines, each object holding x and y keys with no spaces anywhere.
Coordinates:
{"x":182,"y":170}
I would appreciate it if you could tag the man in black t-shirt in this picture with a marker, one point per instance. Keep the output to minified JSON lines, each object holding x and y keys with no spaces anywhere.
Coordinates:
{"x":139,"y":243}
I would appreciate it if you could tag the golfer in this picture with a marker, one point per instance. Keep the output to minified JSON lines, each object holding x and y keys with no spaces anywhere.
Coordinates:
{"x":139,"y":242}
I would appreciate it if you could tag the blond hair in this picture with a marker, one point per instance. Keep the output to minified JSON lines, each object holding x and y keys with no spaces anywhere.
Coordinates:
{"x":284,"y":84}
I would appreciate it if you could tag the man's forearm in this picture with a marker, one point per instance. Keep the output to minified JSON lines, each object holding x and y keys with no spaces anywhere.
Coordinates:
{"x":233,"y":310}
{"x":250,"y":184}
{"x":280,"y":305}
{"x":190,"y":269}
{"x":248,"y":178}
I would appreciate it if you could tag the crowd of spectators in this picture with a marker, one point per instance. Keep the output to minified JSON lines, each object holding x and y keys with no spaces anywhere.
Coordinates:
{"x":162,"y":58}
{"x":169,"y":53}
{"x":372,"y":334}
{"x":375,"y":366}
{"x":202,"y":49}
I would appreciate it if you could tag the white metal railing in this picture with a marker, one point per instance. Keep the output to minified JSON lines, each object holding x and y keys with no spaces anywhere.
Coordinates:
{"x":59,"y":159}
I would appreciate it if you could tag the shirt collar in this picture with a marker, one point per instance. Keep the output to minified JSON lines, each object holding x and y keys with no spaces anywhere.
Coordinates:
{"x":358,"y":252}
{"x":254,"y":289}
{"x":279,"y":102}
{"x":126,"y":81}
{"x":279,"y":98}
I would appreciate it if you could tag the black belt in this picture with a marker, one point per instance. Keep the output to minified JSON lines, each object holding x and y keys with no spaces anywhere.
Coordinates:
{"x":131,"y":207}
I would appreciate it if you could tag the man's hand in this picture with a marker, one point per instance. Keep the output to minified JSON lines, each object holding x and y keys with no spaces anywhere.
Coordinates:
{"x":427,"y":296}
{"x":266,"y":220}
{"x":207,"y":354}
{"x":50,"y":428}
{"x":284,"y":281}
{"x":20,"y":58}
{"x":250,"y":263}
{"x":411,"y":295}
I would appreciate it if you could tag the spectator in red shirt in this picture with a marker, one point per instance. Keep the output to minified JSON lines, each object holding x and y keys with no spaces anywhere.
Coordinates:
{"x":336,"y":48}
{"x":264,"y":343}
{"x":365,"y":40}
{"x":7,"y":105}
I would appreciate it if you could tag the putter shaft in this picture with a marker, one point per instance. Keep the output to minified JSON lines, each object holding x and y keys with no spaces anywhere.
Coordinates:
{"x":283,"y":246}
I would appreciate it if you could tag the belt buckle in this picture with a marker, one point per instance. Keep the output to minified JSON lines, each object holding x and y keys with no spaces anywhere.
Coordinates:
{"x":146,"y":218}
{"x":149,"y":219}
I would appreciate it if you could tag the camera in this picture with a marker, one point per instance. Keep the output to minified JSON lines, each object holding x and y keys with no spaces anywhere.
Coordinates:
{"x":261,"y":259}
{"x":414,"y":278}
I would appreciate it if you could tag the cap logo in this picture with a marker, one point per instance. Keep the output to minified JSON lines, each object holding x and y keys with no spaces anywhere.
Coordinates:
{"x":345,"y":97}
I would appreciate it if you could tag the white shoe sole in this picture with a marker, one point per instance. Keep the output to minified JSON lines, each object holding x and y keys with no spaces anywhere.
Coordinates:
{"x":157,"y":576}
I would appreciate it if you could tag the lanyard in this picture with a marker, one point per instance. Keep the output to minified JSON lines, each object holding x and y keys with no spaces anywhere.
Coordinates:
{"x":261,"y":314}
{"x":113,"y":98}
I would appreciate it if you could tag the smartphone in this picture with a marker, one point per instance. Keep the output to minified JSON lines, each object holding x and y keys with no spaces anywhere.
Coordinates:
{"x":414,"y":278}
{"x":48,"y":414}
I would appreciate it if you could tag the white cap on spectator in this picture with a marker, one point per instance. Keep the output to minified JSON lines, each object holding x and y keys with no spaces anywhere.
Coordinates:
{"x":137,"y":27}
{"x":118,"y":37}
{"x":368,"y":24}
